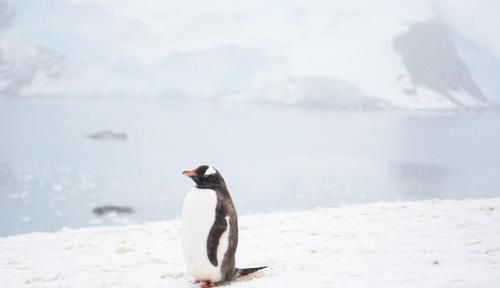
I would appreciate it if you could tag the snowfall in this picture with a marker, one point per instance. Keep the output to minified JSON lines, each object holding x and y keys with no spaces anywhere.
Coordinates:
{"x":434,"y":243}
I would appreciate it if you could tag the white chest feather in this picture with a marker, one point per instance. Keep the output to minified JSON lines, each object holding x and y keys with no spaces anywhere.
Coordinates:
{"x":198,"y":216}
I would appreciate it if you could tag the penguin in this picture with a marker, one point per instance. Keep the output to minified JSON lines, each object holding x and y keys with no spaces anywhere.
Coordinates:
{"x":210,"y":229}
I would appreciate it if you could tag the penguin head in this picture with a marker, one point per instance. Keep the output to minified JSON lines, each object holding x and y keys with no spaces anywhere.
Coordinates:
{"x":205,"y":177}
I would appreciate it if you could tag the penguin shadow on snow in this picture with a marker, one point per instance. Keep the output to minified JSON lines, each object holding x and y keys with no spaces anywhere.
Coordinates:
{"x":251,"y":276}
{"x":241,"y":279}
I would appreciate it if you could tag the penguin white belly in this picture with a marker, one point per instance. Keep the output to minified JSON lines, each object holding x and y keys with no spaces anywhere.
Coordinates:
{"x":198,"y":216}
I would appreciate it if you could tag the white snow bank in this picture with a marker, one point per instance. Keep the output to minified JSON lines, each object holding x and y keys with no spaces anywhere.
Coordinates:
{"x":407,"y":244}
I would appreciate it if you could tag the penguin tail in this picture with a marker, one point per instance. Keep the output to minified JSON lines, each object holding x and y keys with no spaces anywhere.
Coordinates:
{"x":239,"y":272}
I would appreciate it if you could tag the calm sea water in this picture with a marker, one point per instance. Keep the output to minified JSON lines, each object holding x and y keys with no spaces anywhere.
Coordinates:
{"x":59,"y":159}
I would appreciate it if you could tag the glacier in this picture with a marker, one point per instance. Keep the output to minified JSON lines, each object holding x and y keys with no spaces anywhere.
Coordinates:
{"x":435,"y":54}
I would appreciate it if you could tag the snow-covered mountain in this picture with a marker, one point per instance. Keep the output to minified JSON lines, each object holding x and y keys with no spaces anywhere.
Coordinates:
{"x":373,"y":54}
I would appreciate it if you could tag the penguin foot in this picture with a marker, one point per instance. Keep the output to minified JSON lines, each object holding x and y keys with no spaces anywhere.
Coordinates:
{"x":204,"y":284}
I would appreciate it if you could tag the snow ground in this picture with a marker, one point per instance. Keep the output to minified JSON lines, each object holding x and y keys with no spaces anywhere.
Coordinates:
{"x":404,"y":244}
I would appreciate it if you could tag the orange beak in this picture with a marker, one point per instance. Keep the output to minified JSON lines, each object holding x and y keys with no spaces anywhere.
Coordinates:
{"x":190,"y":173}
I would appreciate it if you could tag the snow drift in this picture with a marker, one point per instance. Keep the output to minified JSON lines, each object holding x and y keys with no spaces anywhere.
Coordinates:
{"x":405,"y":244}
{"x":425,"y":54}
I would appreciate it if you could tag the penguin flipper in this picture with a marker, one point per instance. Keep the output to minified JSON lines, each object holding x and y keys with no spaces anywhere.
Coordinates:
{"x":239,"y":272}
{"x":218,"y":228}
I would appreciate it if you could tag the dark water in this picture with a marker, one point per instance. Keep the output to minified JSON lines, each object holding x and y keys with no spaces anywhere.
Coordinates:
{"x":60,"y":159}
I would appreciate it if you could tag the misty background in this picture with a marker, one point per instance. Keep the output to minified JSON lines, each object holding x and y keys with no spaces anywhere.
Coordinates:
{"x":298,"y":105}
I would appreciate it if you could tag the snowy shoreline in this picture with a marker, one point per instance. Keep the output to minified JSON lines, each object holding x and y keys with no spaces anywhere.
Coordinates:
{"x":440,"y":243}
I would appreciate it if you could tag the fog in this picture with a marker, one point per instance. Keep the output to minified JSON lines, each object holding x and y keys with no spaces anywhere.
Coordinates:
{"x":425,"y":55}
{"x":299,"y":105}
